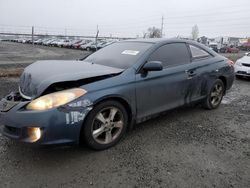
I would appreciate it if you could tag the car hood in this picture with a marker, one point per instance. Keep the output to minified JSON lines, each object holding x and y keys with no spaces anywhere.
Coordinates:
{"x":245,"y":59}
{"x":37,"y":77}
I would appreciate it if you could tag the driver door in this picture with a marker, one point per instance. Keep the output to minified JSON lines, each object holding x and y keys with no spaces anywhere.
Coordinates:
{"x":157,"y":91}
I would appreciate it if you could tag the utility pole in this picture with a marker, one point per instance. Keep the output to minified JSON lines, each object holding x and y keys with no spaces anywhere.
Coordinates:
{"x":97,"y":33}
{"x":32,"y":35}
{"x":162,"y":22}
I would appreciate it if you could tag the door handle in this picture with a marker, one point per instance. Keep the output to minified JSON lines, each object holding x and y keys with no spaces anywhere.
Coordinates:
{"x":190,"y":73}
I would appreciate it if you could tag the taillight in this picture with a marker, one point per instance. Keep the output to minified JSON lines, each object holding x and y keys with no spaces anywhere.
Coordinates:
{"x":230,"y":63}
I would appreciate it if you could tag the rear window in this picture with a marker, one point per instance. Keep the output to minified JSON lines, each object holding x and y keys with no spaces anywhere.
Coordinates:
{"x":198,"y":52}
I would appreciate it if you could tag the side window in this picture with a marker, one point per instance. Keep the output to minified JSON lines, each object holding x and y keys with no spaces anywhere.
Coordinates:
{"x":171,"y":54}
{"x":198,"y":52}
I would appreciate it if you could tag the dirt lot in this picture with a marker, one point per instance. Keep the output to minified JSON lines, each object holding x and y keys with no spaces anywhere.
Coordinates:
{"x":187,"y":147}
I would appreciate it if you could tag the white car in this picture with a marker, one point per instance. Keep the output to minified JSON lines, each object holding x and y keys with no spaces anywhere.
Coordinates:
{"x":242,"y":66}
{"x":87,"y":46}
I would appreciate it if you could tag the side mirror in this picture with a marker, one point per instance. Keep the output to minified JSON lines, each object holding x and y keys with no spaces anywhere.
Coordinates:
{"x":247,"y":53}
{"x":153,"y":66}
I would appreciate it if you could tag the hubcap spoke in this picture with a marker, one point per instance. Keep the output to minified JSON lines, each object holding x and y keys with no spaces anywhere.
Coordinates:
{"x":108,"y":137}
{"x":217,"y":94}
{"x":216,"y":87}
{"x":213,"y":94}
{"x":98,"y":132}
{"x":220,"y":90}
{"x":112,"y":113}
{"x":118,"y":124}
{"x":101,"y":118}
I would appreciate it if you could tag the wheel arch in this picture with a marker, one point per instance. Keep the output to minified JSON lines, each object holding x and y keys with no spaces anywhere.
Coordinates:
{"x":121,"y":100}
{"x":224,"y":80}
{"x":124,"y":102}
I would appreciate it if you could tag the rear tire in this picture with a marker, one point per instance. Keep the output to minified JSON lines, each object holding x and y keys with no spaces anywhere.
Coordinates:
{"x":215,"y":95}
{"x":105,"y":125}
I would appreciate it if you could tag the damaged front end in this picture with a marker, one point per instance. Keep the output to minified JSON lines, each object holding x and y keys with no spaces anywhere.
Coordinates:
{"x":51,"y":104}
{"x":43,"y":124}
{"x":43,"y":77}
{"x":10,"y":101}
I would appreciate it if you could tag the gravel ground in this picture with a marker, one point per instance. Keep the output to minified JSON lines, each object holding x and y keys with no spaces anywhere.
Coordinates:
{"x":186,"y":147}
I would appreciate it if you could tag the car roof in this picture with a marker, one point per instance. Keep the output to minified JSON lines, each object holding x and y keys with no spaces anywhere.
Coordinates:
{"x":157,"y":40}
{"x":163,"y":41}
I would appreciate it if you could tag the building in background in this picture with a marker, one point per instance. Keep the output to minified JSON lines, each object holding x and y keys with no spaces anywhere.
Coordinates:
{"x":228,"y":41}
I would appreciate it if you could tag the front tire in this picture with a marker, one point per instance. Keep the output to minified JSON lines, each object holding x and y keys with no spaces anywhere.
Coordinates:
{"x":214,"y":98}
{"x":105,"y":125}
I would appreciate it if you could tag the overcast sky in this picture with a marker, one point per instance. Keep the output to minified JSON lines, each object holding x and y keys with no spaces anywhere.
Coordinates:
{"x":127,"y":18}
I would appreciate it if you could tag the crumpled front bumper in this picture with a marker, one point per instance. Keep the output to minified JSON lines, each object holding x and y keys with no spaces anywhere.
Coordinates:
{"x":60,"y":125}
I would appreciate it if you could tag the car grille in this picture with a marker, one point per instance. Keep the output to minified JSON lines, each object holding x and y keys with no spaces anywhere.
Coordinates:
{"x":246,"y":65}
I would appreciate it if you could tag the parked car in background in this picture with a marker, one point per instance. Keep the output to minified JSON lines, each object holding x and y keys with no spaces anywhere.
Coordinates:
{"x":233,"y":49}
{"x":77,"y":44}
{"x":54,"y":42}
{"x":93,"y":46}
{"x":96,"y":46}
{"x":213,"y":46}
{"x":28,"y":41}
{"x":96,"y":100}
{"x":246,"y":46}
{"x":45,"y":41}
{"x":242,"y":66}
{"x":68,"y":43}
{"x":38,"y":41}
{"x":48,"y":42}
{"x":62,"y":42}
{"x":72,"y":42}
{"x":87,"y":46}
{"x":58,"y":42}
{"x":223,"y":49}
{"x":107,"y":43}
{"x":20,"y":40}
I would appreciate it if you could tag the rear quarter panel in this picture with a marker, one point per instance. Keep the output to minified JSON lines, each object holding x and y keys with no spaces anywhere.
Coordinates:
{"x":217,"y":68}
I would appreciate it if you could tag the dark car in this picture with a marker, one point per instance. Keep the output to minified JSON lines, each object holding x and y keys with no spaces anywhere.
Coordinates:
{"x":223,"y":49}
{"x":214,"y":47}
{"x":97,"y":99}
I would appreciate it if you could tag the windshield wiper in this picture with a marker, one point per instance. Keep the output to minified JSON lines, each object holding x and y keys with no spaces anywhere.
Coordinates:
{"x":84,"y":57}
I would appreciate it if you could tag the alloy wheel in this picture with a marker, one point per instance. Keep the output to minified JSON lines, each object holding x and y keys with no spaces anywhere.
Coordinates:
{"x":216,"y":94}
{"x":107,"y":125}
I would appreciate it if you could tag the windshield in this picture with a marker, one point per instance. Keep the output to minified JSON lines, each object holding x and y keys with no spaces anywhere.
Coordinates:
{"x":119,"y":55}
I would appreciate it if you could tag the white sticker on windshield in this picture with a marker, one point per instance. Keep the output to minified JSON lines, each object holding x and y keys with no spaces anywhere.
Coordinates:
{"x":130,"y":52}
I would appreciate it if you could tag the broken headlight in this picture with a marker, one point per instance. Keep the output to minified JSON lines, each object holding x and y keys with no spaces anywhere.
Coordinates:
{"x":55,"y":99}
